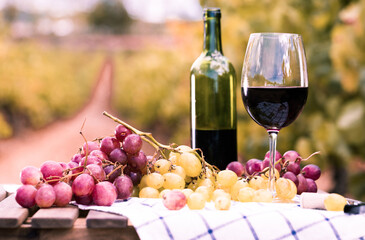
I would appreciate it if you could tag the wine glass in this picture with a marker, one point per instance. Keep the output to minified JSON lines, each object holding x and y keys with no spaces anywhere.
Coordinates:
{"x":274,"y":84}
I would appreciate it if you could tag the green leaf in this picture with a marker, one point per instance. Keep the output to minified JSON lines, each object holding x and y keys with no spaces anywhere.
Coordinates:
{"x":351,"y":121}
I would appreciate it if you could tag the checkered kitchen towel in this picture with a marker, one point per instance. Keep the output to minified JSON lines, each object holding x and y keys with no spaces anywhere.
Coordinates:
{"x":243,"y":221}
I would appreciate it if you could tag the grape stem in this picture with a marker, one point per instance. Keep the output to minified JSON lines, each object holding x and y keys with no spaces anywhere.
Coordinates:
{"x":146,"y":136}
{"x":286,"y":163}
{"x":87,"y":145}
{"x":315,"y":153}
{"x":115,"y":169}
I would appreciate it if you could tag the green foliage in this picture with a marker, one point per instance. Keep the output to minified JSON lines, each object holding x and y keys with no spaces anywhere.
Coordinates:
{"x":6,"y":130}
{"x":152,"y":89}
{"x":40,"y":85}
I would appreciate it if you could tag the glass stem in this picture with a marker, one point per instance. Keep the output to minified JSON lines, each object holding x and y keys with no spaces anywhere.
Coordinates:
{"x":273,"y":135}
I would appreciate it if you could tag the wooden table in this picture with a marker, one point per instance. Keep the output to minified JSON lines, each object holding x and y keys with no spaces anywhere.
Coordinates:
{"x":59,"y":223}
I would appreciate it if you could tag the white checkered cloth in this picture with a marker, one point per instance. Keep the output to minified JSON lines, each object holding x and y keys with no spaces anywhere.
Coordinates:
{"x":243,"y":221}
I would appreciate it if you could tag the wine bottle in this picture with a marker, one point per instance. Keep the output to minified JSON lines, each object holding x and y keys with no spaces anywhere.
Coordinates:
{"x":213,"y":97}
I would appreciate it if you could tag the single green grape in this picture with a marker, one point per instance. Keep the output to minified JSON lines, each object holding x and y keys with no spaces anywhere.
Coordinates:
{"x":162,"y":166}
{"x":173,"y":181}
{"x":196,"y":201}
{"x":335,"y":202}
{"x":154,"y":180}
{"x":149,"y":192}
{"x":262,"y":195}
{"x":226,"y":178}
{"x":285,"y":189}
{"x":246,"y":194}
{"x":191,"y":164}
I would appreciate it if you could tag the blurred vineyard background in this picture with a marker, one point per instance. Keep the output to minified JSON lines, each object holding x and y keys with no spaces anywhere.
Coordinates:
{"x":50,"y":60}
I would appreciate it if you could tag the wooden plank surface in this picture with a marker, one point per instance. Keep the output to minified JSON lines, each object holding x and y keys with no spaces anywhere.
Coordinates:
{"x":55,"y":217}
{"x":96,"y":219}
{"x":9,"y":202}
{"x":12,"y":217}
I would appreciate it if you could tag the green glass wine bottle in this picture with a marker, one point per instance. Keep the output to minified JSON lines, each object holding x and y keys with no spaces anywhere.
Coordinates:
{"x":213,"y":97}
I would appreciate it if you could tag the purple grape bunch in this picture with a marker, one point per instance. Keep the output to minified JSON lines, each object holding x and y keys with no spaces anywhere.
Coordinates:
{"x":289,"y":167}
{"x":100,"y":173}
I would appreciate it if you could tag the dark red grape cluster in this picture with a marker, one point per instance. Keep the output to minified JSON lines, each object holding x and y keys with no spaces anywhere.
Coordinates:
{"x":287,"y":165}
{"x":103,"y":171}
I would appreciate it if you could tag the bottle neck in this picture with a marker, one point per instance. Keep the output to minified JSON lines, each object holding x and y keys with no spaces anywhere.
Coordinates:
{"x":212,"y":35}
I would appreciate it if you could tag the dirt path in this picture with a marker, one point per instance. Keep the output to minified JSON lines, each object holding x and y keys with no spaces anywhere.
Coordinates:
{"x":60,"y":140}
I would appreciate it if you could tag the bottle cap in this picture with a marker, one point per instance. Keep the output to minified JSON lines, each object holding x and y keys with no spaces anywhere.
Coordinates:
{"x":211,"y":12}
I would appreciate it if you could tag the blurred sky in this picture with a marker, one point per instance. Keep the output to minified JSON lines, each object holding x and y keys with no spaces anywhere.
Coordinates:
{"x":153,"y":11}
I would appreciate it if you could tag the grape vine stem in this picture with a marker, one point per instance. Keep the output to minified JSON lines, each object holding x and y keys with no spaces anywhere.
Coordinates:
{"x":151,"y":140}
{"x":146,"y":135}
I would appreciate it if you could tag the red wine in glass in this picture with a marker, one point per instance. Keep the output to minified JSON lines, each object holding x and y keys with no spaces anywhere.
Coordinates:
{"x":274,"y":107}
